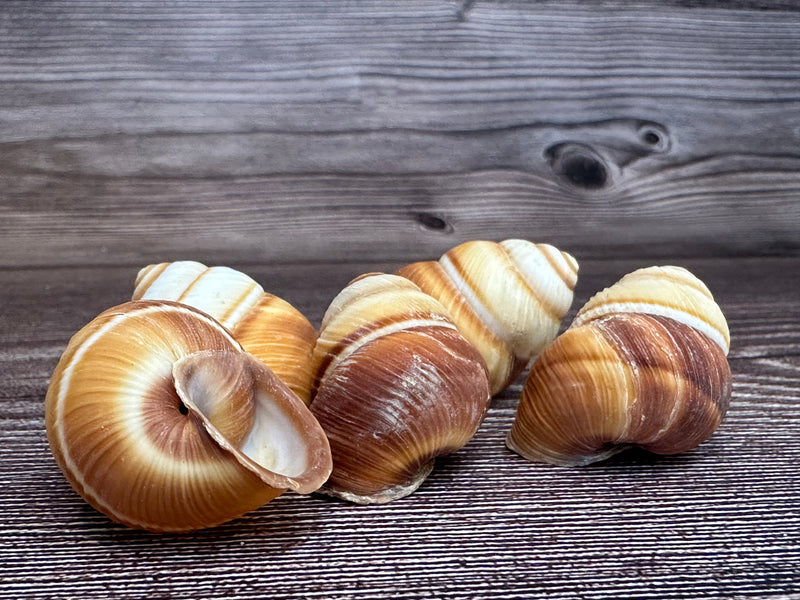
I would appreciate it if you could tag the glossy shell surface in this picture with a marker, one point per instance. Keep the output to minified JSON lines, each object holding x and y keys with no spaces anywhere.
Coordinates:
{"x":265,"y":325}
{"x":159,"y":420}
{"x":397,"y":386}
{"x":506,"y":298}
{"x":644,"y":364}
{"x":669,"y":291}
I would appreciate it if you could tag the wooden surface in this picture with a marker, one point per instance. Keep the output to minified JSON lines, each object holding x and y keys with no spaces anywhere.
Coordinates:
{"x":308,"y":142}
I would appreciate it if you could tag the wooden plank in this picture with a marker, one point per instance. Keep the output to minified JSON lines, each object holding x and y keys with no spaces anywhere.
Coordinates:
{"x":305,"y":144}
{"x":721,"y":521}
{"x":286,"y":131}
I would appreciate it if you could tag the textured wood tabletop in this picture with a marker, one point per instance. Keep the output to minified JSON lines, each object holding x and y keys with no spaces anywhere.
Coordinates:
{"x":306,"y":143}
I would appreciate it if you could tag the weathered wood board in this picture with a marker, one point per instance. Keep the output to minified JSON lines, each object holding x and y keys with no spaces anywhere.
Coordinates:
{"x":309,"y":142}
{"x":291,"y":131}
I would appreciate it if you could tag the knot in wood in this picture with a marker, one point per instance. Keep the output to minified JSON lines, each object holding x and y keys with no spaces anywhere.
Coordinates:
{"x":432,"y":222}
{"x":578,"y":164}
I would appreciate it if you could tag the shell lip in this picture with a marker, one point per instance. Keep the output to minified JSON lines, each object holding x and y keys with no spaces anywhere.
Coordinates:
{"x":266,"y":387}
{"x":565,"y":460}
{"x":384,"y":495}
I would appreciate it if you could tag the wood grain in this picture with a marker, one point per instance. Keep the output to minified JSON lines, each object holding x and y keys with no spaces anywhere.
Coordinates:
{"x":309,"y":142}
{"x":718,"y":522}
{"x":286,"y":131}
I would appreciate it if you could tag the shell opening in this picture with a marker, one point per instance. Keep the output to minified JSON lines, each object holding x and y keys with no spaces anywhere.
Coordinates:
{"x":250,"y":413}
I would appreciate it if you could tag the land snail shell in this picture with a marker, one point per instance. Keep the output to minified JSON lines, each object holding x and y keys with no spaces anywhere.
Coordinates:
{"x":160,"y":420}
{"x":396,"y":386}
{"x":265,"y":325}
{"x":643,"y":364}
{"x":507,"y":298}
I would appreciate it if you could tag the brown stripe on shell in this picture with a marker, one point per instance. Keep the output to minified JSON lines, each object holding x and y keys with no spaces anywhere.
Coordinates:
{"x":234,"y":305}
{"x":551,"y":311}
{"x":704,"y":376}
{"x":185,"y":292}
{"x":106,"y":443}
{"x":357,"y":336}
{"x":624,"y":379}
{"x":680,"y":376}
{"x":146,"y":276}
{"x":544,"y":302}
{"x":432,"y":279}
{"x":552,"y":255}
{"x":566,"y":414}
{"x":283,"y":339}
{"x":394,"y":405}
{"x":645,"y":349}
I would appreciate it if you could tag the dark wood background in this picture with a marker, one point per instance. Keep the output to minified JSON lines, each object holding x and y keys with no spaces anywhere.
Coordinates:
{"x":308,"y":142}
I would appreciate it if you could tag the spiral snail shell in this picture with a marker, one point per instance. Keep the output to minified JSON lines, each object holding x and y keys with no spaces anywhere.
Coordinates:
{"x":507,"y":298}
{"x":159,"y":420}
{"x":266,"y":326}
{"x":643,"y":364}
{"x":396,"y":386}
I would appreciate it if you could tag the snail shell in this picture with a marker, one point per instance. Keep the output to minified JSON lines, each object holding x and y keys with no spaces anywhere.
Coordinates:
{"x":644,"y":364}
{"x":159,"y":420}
{"x":266,"y":326}
{"x":507,"y":298}
{"x":396,"y":386}
{"x":668,"y":291}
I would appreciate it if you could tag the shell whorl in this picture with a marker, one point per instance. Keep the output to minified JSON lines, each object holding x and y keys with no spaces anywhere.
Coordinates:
{"x":265,"y":325}
{"x":507,"y":298}
{"x":668,"y":291}
{"x":397,"y":385}
{"x":159,"y":420}
{"x":621,"y":376}
{"x":366,"y":309}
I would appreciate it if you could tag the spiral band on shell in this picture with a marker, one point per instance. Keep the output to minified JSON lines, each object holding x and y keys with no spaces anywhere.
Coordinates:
{"x":152,"y":444}
{"x":265,"y":325}
{"x":507,"y":298}
{"x":643,"y":364}
{"x":396,"y":386}
{"x":205,"y":397}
